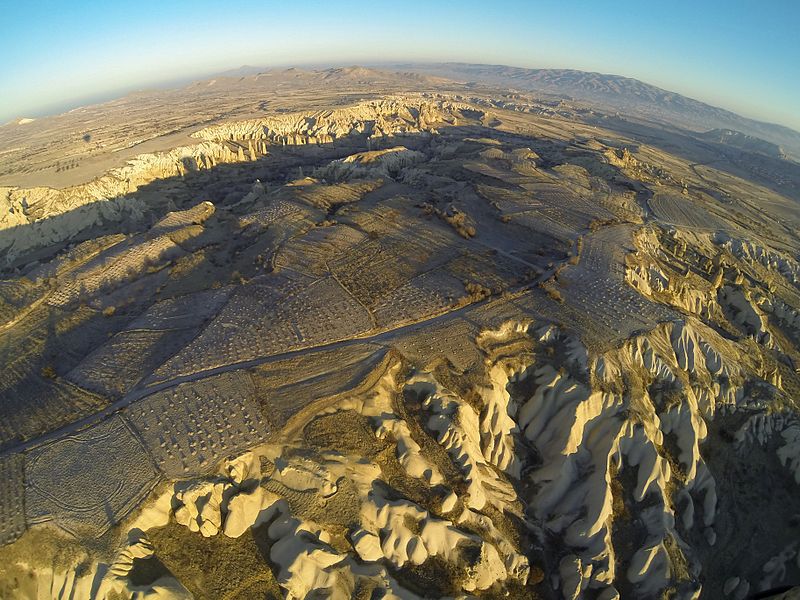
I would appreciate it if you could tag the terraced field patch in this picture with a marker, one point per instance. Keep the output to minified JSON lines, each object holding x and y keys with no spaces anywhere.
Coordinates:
{"x":190,"y":428}
{"x":12,"y":497}
{"x":685,"y":212}
{"x":87,"y":501}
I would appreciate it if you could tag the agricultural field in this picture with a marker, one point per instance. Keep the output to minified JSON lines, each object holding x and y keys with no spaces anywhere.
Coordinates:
{"x":83,"y":501}
{"x":684,"y":212}
{"x":12,"y":498}
{"x":190,"y":428}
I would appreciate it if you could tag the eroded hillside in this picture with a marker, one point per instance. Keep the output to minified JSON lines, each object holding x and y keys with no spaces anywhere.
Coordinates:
{"x":424,"y":345}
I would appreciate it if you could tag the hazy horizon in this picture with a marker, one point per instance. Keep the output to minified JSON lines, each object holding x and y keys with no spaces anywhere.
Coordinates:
{"x":733,"y":55}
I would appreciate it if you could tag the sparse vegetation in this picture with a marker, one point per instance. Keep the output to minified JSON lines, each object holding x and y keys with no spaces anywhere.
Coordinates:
{"x":454,"y":217}
{"x":597,"y":224}
{"x":552,"y":291}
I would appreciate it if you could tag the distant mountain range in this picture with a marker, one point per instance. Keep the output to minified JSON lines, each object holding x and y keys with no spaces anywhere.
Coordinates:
{"x":353,"y":74}
{"x":737,"y":139}
{"x":626,"y":95}
{"x":629,"y":97}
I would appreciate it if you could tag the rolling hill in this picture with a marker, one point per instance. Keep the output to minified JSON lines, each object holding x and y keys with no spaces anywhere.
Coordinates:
{"x":625,"y":94}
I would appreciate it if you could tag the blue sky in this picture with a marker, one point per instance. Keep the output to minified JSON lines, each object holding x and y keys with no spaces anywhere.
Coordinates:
{"x":741,"y":55}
